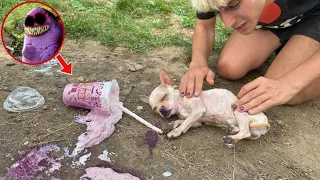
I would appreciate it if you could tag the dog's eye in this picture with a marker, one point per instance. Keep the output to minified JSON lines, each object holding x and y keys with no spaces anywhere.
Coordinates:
{"x":164,"y":97}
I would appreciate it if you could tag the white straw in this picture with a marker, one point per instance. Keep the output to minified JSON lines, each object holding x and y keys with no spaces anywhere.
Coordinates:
{"x":141,"y":120}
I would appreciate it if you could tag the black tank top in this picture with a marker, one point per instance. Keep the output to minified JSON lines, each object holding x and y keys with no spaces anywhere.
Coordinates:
{"x":281,"y":13}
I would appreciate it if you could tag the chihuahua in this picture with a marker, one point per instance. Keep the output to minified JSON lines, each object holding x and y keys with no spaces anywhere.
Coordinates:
{"x":212,"y":107}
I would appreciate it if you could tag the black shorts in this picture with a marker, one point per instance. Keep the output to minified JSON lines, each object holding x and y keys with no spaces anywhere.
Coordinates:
{"x":309,"y":26}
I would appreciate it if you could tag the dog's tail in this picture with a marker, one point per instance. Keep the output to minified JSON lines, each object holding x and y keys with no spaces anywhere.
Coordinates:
{"x":260,"y":125}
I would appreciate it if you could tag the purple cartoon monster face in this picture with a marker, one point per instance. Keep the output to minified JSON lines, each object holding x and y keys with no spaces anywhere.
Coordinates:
{"x":43,"y":36}
{"x":38,"y":22}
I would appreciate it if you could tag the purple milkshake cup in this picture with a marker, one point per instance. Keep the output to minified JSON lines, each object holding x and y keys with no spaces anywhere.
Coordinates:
{"x":94,"y":95}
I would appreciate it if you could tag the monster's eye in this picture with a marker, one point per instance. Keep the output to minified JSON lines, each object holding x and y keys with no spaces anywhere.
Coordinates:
{"x":163,"y":97}
{"x":40,"y":18}
{"x":29,"y":21}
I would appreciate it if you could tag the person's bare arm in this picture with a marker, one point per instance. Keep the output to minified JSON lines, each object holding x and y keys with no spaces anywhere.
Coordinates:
{"x":203,"y":41}
{"x":280,"y":91}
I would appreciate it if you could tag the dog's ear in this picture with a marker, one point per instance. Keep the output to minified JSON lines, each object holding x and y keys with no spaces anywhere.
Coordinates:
{"x":165,"y":78}
{"x":144,"y":98}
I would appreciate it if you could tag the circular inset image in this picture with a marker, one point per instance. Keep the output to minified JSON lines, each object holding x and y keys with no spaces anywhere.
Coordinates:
{"x":32,"y":32}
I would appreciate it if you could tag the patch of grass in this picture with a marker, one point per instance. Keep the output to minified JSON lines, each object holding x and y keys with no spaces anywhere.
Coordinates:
{"x":129,"y":23}
{"x":183,"y":9}
{"x":222,"y":35}
{"x":142,"y":8}
{"x":6,"y":5}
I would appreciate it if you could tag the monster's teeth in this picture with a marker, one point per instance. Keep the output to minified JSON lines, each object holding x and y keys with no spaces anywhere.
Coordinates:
{"x":35,"y":31}
{"x":46,"y":27}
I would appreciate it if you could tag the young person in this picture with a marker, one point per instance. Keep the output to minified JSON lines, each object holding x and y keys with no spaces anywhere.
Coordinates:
{"x":289,"y":28}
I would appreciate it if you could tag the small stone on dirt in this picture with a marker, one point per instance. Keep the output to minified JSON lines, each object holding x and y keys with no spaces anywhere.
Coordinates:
{"x":45,"y":107}
{"x":132,"y":68}
{"x":139,"y":108}
{"x":167,"y":174}
{"x":138,"y":67}
{"x":26,"y":143}
{"x":261,"y":162}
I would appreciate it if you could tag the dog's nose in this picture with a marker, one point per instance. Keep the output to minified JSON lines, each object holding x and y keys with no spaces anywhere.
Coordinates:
{"x":162,"y":110}
{"x":165,"y":113}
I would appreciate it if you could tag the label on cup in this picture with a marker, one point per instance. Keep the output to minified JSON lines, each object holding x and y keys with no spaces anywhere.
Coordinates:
{"x":87,"y":95}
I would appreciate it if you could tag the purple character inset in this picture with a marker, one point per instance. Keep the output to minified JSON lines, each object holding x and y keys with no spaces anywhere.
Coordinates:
{"x":43,"y":36}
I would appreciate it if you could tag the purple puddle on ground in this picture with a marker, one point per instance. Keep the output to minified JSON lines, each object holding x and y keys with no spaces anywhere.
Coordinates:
{"x":151,"y":137}
{"x":33,"y":162}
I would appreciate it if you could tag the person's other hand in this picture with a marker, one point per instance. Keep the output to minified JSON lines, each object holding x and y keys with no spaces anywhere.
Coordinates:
{"x":191,"y":83}
{"x":263,"y":93}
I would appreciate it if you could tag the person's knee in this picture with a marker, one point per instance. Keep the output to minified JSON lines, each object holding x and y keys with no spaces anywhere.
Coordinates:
{"x":230,"y":70}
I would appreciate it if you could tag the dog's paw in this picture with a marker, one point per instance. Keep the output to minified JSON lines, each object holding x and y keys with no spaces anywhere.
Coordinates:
{"x":174,"y":133}
{"x":227,"y":127}
{"x":229,"y":142}
{"x":176,"y":123}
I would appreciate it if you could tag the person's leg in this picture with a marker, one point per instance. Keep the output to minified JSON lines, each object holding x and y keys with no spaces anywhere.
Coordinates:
{"x":298,"y":49}
{"x":243,"y":53}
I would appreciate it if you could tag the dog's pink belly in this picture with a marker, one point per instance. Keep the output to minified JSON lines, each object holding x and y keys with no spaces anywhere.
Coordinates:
{"x":213,"y":121}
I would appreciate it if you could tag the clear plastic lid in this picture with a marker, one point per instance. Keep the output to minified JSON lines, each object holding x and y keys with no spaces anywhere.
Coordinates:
{"x":23,"y":99}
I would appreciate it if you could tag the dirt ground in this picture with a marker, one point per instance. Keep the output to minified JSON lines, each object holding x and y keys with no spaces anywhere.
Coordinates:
{"x":290,"y":150}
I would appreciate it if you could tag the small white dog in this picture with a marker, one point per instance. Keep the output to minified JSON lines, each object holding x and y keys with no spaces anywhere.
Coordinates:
{"x":212,"y":107}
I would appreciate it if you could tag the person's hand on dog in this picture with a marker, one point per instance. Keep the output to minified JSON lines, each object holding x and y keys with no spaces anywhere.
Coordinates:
{"x":191,"y":83}
{"x":263,"y":93}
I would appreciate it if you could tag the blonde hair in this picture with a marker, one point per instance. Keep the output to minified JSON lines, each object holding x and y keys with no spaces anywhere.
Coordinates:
{"x":203,"y":6}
